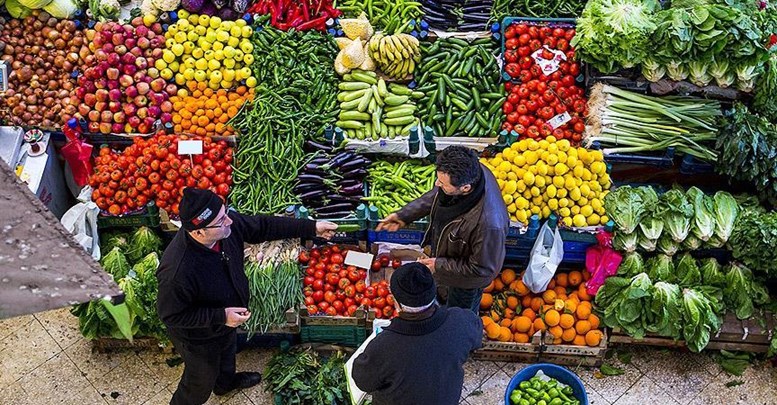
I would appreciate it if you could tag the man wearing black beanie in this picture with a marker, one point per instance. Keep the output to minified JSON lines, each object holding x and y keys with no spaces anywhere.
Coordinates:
{"x":203,"y":289}
{"x":419,"y":357}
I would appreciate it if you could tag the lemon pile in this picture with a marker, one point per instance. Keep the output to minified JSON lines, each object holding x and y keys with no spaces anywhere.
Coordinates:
{"x":207,"y":49}
{"x":550,"y":176}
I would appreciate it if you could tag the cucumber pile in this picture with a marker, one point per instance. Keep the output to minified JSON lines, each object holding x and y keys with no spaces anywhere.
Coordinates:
{"x":462,"y":87}
{"x":371,"y":109}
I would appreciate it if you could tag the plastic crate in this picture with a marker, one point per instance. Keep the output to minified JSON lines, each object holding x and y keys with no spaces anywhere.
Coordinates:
{"x":351,"y":237}
{"x":550,"y":22}
{"x":148,"y":216}
{"x":627,"y":79}
{"x":664,"y":161}
{"x":691,"y":165}
{"x":351,"y":336}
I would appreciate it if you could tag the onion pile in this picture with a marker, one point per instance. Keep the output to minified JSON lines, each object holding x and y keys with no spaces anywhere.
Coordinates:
{"x":42,"y":52}
{"x":120,"y":90}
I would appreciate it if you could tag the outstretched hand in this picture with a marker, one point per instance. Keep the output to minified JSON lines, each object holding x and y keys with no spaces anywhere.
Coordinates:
{"x":391,"y":223}
{"x":325,"y":229}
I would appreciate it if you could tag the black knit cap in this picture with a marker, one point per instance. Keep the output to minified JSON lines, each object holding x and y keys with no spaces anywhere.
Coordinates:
{"x":413,"y":285}
{"x":198,"y":208}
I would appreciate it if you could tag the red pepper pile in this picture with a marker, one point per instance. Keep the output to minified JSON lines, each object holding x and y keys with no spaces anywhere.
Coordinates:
{"x":302,"y":15}
{"x":534,"y":98}
{"x":334,"y":289}
{"x":151,"y":169}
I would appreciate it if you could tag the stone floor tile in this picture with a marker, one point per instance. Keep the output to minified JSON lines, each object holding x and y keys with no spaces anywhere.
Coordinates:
{"x":610,"y":388}
{"x":464,"y":402}
{"x":132,"y":382}
{"x":512,"y":369}
{"x":61,"y":325}
{"x":758,"y":388}
{"x":161,"y":398}
{"x":678,"y":372}
{"x":88,"y":396}
{"x":157,"y":362}
{"x":708,"y":363}
{"x":54,"y":380}
{"x":491,"y":391}
{"x":13,"y":394}
{"x":95,"y":365}
{"x":646,"y":391}
{"x":475,"y":373}
{"x":24,"y":350}
{"x":11,"y":325}
{"x":239,"y":399}
{"x":255,"y":360}
{"x":595,"y":399}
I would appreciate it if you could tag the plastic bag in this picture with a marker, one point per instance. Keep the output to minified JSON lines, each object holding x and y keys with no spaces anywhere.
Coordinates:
{"x":601,"y":261}
{"x":545,"y":257}
{"x":81,"y":221}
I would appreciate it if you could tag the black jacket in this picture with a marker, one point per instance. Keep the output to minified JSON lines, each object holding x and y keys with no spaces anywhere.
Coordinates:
{"x":470,"y":251}
{"x":197,"y":283}
{"x":419,"y":362}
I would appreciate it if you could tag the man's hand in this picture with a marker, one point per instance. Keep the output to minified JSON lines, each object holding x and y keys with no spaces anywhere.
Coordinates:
{"x":428,"y":263}
{"x":391,"y":223}
{"x":325,"y":229}
{"x":236,"y":316}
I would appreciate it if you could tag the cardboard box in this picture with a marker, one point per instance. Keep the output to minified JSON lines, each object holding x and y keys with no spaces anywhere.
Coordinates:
{"x":405,"y":255}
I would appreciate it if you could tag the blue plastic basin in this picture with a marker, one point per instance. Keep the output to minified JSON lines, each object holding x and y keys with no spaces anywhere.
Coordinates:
{"x":561,"y":374}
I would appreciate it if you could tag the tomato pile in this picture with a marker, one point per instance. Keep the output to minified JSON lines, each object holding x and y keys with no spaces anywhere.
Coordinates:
{"x":334,"y":289}
{"x":151,"y":170}
{"x":535,"y":96}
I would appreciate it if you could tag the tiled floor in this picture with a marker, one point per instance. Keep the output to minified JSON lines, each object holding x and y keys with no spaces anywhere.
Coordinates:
{"x":44,"y":360}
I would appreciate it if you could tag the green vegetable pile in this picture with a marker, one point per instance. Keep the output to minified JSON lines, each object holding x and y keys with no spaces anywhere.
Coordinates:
{"x":274,"y":283}
{"x":301,"y":377}
{"x":390,"y":16}
{"x":395,"y":185}
{"x":748,"y":147}
{"x":132,"y":259}
{"x":543,"y":391}
{"x":754,"y":239}
{"x":674,"y":221}
{"x":461,"y":83}
{"x":766,"y":89}
{"x":296,"y":100}
{"x":537,"y":9}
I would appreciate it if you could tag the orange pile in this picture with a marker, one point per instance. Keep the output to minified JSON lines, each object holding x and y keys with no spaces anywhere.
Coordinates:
{"x":512,"y":313}
{"x":205,"y":112}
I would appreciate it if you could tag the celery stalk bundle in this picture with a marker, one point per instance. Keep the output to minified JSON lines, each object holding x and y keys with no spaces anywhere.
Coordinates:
{"x":626,"y":122}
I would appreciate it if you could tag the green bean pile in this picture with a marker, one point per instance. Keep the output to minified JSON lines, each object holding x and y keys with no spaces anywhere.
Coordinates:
{"x":275,"y":284}
{"x":386,"y":15}
{"x":295,"y":101}
{"x":537,"y":9}
{"x":392,"y":185}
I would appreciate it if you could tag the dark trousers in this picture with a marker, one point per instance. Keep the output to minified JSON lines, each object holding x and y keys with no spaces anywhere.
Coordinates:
{"x":467,"y":298}
{"x":205,"y":367}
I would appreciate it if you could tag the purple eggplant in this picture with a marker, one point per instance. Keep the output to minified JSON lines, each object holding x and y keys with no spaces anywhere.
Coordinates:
{"x":313,"y":146}
{"x":353,"y":190}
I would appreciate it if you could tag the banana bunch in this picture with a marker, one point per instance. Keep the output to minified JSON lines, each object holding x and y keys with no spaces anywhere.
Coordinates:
{"x":396,"y":55}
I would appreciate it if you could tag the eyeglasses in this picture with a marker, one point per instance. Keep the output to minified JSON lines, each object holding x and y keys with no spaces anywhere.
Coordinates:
{"x":221,"y":221}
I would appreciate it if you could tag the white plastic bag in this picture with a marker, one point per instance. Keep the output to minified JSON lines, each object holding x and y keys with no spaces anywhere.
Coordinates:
{"x":545,"y":257}
{"x":81,"y":221}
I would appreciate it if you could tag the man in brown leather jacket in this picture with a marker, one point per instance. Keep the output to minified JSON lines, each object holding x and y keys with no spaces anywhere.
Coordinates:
{"x":468,"y":224}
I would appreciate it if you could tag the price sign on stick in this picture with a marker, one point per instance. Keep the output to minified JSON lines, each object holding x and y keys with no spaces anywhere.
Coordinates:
{"x":190,"y":148}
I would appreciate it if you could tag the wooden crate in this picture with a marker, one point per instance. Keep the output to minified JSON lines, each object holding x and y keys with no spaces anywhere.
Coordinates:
{"x":734,"y":334}
{"x":541,"y":349}
{"x":111,"y":345}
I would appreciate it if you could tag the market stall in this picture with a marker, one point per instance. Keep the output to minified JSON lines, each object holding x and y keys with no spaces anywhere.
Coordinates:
{"x":639,"y":136}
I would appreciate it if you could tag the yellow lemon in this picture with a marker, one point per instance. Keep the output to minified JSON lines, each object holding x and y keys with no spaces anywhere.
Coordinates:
{"x":539,"y":181}
{"x":246,"y":31}
{"x":192,"y":36}
{"x":561,"y":169}
{"x":550,"y":191}
{"x":200,"y":75}
{"x":508,"y":199}
{"x":215,"y":22}
{"x":201,"y":64}
{"x":528,"y":179}
{"x":593,"y":220}
{"x":586,"y":210}
{"x":579,"y":221}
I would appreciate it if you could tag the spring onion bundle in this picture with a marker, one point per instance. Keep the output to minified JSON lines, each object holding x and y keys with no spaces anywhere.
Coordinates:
{"x":626,"y":122}
{"x":275,"y":284}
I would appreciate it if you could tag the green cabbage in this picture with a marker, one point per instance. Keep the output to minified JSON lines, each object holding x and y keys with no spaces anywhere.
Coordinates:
{"x":61,"y":8}
{"x":16,"y":10}
{"x":115,"y":263}
{"x":623,"y":242}
{"x":665,"y":310}
{"x":687,"y":272}
{"x":711,"y":273}
{"x":738,"y":291}
{"x":652,"y":224}
{"x":630,"y":311}
{"x":114,"y":239}
{"x":677,"y":218}
{"x":666,"y":245}
{"x":703,"y":225}
{"x":699,"y":319}
{"x":631,"y":265}
{"x":692,"y":243}
{"x":660,"y":268}
{"x":726,"y":211}
{"x":34,"y":4}
{"x":626,"y":206}
{"x":143,"y":242}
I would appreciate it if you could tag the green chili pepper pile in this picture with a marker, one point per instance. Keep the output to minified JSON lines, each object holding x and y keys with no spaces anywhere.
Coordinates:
{"x":274,"y":282}
{"x":461,"y":83}
{"x":539,"y":392}
{"x":296,"y":100}
{"x":537,"y":9}
{"x":395,"y":184}
{"x":390,"y":16}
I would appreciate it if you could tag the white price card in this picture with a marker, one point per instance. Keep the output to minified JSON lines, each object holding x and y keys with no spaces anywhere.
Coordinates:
{"x":559,"y":120}
{"x":358,"y":259}
{"x":548,"y":66}
{"x":193,"y":147}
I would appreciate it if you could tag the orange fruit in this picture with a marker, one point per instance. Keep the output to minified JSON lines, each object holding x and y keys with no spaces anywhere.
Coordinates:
{"x":594,"y":320}
{"x":582,"y":327}
{"x":566,"y":321}
{"x":486,"y":301}
{"x":526,"y":301}
{"x":570,"y":306}
{"x":507,"y":276}
{"x":586,"y":275}
{"x":489,"y":288}
{"x":512,"y":302}
{"x":521,"y":338}
{"x":583,"y":294}
{"x":557,"y":341}
{"x":506,"y":323}
{"x":556,"y":331}
{"x":562,"y":280}
{"x":573,"y":296}
{"x":505,"y":335}
{"x":549,"y":296}
{"x":568,"y":335}
{"x":495,"y":316}
{"x":498,"y":285}
{"x":551,"y":284}
{"x":575,"y":278}
{"x":559,"y":305}
{"x":583,"y":310}
{"x":560,"y":291}
{"x":508,"y":313}
{"x":529,"y":313}
{"x":492,"y":331}
{"x":521,"y":288}
{"x":486,"y":320}
{"x":536,"y":304}
{"x":539,"y":324}
{"x":522,"y":324}
{"x":592,"y":338}
{"x":579,"y":340}
{"x":552,"y":318}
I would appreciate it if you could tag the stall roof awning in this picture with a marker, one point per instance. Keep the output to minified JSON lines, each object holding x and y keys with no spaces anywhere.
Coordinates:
{"x":41,"y":265}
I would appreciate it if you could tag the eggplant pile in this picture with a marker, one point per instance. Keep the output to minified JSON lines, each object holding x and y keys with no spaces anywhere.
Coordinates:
{"x":457,"y":15}
{"x":331,"y":185}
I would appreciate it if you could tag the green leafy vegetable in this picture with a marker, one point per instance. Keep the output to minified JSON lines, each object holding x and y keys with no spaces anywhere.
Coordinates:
{"x":687,"y":272}
{"x":677,"y":219}
{"x":610,"y":371}
{"x":115,"y":263}
{"x":737,"y":292}
{"x":631,"y":265}
{"x":660,"y":268}
{"x":703,"y":225}
{"x":733,"y":363}
{"x":699,"y":319}
{"x":629,"y":306}
{"x":143,"y":242}
{"x":726,"y":211}
{"x":754,"y":239}
{"x":627,"y":205}
{"x":665,"y":310}
{"x":711,"y":273}
{"x":766,"y":91}
{"x":652,"y":224}
{"x":625,"y":242}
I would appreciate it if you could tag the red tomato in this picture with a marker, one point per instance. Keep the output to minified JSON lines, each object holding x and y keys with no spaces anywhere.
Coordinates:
{"x":312,"y":309}
{"x":379,"y":303}
{"x":331,"y":311}
{"x":319,"y":274}
{"x":351,"y":310}
{"x":332,"y":278}
{"x":521,"y":28}
{"x":318,"y":296}
{"x":309,"y":280}
{"x":524,"y":51}
{"x":338,"y":306}
{"x":545,"y":32}
{"x":350,"y":291}
{"x":318,"y":285}
{"x":388,"y":311}
{"x":344,"y":282}
{"x":369,"y":292}
{"x":376,"y":266}
{"x":366,"y":302}
{"x":360,"y":286}
{"x":396,"y":263}
{"x":507,"y":108}
{"x":511,"y":56}
{"x":353,"y":275}
{"x":382,"y":291}
{"x":534,"y":32}
{"x":337,"y":258}
{"x":329,"y":297}
{"x":524,"y":39}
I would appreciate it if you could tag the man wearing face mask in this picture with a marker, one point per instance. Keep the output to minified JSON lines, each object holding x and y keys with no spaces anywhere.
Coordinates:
{"x":468,"y":225}
{"x":203,"y":289}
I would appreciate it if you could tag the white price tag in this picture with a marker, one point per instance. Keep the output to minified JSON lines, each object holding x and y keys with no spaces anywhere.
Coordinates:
{"x":358,"y":259}
{"x":190,"y":147}
{"x":548,"y":66}
{"x":559,"y":120}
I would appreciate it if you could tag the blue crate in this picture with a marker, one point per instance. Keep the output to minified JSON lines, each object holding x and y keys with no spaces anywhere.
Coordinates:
{"x":402,"y":236}
{"x":665,"y":161}
{"x":691,"y":165}
{"x":562,"y":374}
